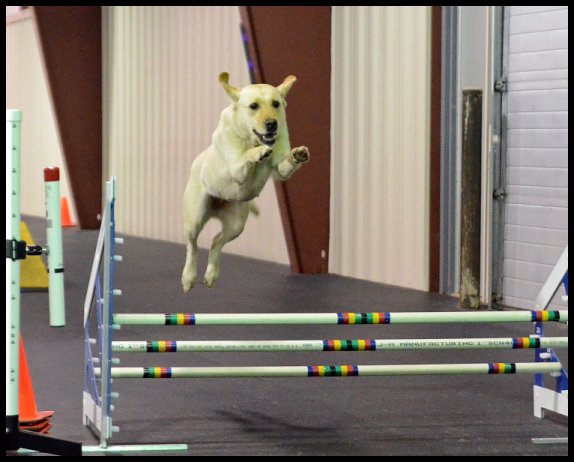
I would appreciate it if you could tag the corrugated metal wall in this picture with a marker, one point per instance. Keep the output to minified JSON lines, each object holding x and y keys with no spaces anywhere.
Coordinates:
{"x":161,"y":104}
{"x":380,"y":139}
{"x":27,"y":90}
{"x":536,"y":221}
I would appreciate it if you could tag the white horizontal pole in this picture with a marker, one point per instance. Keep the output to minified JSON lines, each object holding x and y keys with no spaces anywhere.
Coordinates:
{"x":175,"y":346}
{"x":337,"y":318}
{"x":135,"y":448}
{"x":331,"y":371}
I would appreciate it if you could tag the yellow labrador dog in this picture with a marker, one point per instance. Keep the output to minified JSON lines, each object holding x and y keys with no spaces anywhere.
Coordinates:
{"x":250,"y":143}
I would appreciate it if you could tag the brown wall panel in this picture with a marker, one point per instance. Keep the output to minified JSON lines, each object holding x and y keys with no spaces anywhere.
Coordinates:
{"x":297,"y":40}
{"x":435,"y":150}
{"x":71,"y":42}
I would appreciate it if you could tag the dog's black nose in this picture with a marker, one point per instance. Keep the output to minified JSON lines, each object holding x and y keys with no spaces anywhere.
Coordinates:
{"x":271,"y":125}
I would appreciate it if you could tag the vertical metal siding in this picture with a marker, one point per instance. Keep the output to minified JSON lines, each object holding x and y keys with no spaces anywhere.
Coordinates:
{"x":450,"y":216}
{"x":27,"y":90}
{"x":487,"y":188}
{"x":536,"y":221}
{"x":162,"y":102}
{"x":380,"y":144}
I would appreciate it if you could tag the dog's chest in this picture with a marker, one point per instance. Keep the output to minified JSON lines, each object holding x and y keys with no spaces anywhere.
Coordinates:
{"x":255,"y":181}
{"x":230,"y":190}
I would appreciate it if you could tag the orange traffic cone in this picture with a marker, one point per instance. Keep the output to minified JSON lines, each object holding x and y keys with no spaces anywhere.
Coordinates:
{"x":43,"y":426}
{"x":65,"y":213}
{"x":28,"y":412}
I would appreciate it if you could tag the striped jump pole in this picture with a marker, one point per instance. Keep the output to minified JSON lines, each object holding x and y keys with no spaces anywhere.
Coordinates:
{"x":330,"y":371}
{"x":158,"y":319}
{"x":175,"y":346}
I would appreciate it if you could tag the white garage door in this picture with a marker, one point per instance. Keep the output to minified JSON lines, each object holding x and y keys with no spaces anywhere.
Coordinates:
{"x":536,"y":214}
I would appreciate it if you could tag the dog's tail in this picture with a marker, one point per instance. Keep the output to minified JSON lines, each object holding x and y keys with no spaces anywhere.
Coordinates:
{"x":253,"y":208}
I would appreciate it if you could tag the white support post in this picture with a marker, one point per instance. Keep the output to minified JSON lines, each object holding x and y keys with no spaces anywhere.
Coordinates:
{"x":55,"y":253}
{"x":13,"y":119}
{"x":553,"y":282}
{"x":97,"y":399}
{"x":107,"y":313}
{"x":18,"y":439}
{"x":544,"y":398}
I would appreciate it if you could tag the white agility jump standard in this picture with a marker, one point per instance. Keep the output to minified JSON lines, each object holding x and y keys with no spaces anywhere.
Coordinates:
{"x":205,"y":346}
{"x":221,"y":319}
{"x":330,"y":371}
{"x":17,"y":438}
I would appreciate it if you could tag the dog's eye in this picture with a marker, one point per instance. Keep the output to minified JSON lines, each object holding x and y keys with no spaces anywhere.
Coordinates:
{"x":254,"y":106}
{"x":276,"y":103}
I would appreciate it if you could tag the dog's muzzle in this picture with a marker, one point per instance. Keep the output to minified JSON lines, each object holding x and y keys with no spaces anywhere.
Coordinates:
{"x":266,"y":138}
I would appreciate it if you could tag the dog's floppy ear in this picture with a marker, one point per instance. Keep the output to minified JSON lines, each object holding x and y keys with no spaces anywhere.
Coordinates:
{"x":286,"y":85}
{"x":231,"y":91}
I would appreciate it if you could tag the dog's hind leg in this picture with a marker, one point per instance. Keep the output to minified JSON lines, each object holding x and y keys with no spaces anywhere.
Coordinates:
{"x":195,"y":217}
{"x":233,"y":216}
{"x":189,"y":275}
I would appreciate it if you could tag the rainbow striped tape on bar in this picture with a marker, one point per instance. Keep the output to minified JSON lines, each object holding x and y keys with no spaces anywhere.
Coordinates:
{"x":179,"y":319}
{"x":363,"y":318}
{"x":161,"y":346}
{"x":156,"y":373}
{"x":525,"y":342}
{"x":501,"y":368}
{"x":349,"y":345}
{"x":332,"y":371}
{"x":545,"y":315}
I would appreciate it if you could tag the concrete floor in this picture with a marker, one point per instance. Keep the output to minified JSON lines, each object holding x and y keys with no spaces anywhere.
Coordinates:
{"x":422,"y":415}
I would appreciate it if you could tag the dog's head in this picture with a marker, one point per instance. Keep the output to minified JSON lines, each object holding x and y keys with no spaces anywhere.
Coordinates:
{"x":260,"y":108}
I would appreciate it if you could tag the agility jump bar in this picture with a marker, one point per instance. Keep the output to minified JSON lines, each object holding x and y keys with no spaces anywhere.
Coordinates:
{"x":175,"y":346}
{"x":330,"y":371}
{"x":180,"y":319}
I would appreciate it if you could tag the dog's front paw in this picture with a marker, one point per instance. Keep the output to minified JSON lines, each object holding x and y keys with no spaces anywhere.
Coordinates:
{"x":300,"y":154}
{"x":260,"y":153}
